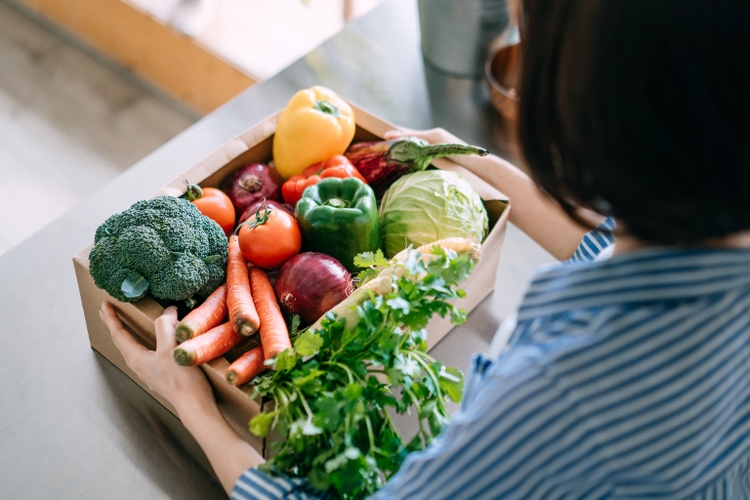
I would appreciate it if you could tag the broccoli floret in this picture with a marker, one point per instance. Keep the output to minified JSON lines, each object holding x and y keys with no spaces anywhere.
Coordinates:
{"x":180,"y":279}
{"x":109,"y":270}
{"x":217,"y":246}
{"x":186,"y":237}
{"x":165,"y":240}
{"x":216,"y":276}
{"x":142,"y":249}
{"x":217,"y":240}
{"x":106,"y":229}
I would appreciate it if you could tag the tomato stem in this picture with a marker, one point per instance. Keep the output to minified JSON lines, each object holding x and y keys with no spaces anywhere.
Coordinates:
{"x":193,"y":192}
{"x":260,"y":218}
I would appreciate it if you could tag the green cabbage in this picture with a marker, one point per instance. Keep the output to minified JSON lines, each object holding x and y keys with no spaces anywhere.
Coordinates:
{"x":427,"y":206}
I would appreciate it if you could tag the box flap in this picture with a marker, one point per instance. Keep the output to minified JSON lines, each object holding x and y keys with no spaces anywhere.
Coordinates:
{"x":370,"y":122}
{"x":255,"y":145}
{"x":260,"y":132}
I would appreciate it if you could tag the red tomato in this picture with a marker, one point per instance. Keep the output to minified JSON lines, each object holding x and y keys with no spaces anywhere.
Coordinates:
{"x":251,"y":210}
{"x":270,"y":241}
{"x":216,"y":205}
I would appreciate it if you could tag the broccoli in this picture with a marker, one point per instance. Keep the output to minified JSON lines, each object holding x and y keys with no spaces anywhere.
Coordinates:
{"x":164,"y":246}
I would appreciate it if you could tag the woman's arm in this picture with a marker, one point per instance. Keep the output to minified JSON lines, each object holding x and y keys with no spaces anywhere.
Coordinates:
{"x":187,"y":389}
{"x":532,"y":212}
{"x":229,"y":454}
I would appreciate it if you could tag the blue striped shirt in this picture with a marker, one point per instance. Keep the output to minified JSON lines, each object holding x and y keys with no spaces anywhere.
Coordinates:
{"x":623,"y":378}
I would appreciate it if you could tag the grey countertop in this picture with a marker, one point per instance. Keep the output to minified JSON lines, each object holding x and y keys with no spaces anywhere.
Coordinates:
{"x":71,"y":424}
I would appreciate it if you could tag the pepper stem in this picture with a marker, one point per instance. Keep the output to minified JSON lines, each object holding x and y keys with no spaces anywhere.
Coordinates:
{"x":327,"y":107}
{"x":194,"y":191}
{"x":337,"y":203}
{"x":417,"y":154}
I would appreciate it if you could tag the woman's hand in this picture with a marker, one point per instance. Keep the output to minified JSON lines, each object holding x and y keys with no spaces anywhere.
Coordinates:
{"x":535,"y":213}
{"x":187,"y":389}
{"x":182,"y":386}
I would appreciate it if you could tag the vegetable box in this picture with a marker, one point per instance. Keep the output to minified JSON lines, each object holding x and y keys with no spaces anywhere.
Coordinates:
{"x":255,"y":146}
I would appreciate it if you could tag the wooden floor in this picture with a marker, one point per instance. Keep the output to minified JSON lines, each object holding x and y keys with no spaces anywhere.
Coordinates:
{"x":68,"y":125}
{"x":199,"y":52}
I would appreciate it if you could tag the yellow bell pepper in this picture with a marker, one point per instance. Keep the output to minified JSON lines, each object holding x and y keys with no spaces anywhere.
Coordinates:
{"x":315,"y":125}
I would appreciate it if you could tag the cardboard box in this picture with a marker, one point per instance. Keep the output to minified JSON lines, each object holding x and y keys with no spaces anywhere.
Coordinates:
{"x":254,"y":146}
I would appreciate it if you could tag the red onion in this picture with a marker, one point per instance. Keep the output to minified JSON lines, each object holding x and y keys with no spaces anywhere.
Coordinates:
{"x":310,"y":284}
{"x":252,"y":183}
{"x":251,"y":210}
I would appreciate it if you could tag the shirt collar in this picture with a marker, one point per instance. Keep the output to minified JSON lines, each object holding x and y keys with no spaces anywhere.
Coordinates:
{"x":636,"y":277}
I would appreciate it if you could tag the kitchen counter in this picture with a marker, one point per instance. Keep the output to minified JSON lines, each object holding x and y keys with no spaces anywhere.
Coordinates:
{"x":71,"y":424}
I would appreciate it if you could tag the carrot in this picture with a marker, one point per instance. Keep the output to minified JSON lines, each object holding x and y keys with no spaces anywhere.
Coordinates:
{"x":242,"y":312}
{"x":246,"y":367}
{"x":274,"y":335}
{"x":241,"y":348}
{"x":204,"y":317}
{"x":206,"y":347}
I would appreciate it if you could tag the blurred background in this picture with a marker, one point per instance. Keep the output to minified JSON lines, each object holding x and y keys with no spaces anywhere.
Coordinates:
{"x":89,"y":87}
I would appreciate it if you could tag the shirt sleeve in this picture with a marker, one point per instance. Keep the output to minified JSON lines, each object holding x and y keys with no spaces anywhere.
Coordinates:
{"x":445,"y":469}
{"x":506,"y":443}
{"x":596,"y":244}
{"x":255,"y":485}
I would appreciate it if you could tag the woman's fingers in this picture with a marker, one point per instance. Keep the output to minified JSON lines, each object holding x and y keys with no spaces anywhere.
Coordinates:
{"x":177,"y":384}
{"x":165,"y":326}
{"x":131,"y":350}
{"x":396,"y":133}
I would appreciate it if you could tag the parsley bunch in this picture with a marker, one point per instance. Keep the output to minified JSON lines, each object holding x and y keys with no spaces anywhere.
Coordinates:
{"x":334,"y":389}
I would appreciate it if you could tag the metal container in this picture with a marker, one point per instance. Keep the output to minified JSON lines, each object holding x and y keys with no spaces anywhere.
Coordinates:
{"x":457,"y":33}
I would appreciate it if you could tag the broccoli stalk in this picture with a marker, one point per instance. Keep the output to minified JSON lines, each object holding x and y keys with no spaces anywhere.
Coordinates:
{"x":163,"y":246}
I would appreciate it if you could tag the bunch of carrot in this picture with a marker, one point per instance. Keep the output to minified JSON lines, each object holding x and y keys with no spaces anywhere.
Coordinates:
{"x":250,"y":302}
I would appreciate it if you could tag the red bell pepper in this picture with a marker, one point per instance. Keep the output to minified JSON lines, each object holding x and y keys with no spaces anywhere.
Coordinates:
{"x":292,"y":189}
{"x":337,"y":166}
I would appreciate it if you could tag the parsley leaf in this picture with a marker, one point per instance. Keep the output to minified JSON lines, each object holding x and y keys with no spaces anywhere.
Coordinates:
{"x":261,"y":422}
{"x":308,"y":344}
{"x":334,"y":392}
{"x":371,"y":263}
{"x":371,"y":259}
{"x":294,"y":327}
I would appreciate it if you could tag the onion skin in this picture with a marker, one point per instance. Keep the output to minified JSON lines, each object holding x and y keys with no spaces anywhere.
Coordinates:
{"x":251,"y":210}
{"x":252,"y":183}
{"x":310,"y":284}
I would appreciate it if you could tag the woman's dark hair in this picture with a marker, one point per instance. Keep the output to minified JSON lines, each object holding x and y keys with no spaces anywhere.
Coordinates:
{"x":641,"y":109}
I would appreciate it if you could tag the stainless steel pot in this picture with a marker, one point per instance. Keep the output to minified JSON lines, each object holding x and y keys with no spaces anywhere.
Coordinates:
{"x":456,"y":33}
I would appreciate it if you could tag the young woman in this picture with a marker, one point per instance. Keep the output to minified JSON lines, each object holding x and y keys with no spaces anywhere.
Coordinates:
{"x":626,"y":377}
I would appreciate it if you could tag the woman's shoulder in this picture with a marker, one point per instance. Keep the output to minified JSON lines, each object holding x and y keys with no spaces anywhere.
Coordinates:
{"x":597,"y":244}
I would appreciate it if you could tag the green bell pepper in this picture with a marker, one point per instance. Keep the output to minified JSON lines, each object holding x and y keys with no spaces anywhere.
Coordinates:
{"x":339,"y":217}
